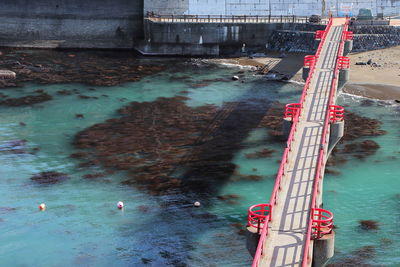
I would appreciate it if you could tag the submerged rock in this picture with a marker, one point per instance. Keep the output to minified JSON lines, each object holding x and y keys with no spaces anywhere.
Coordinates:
{"x":331,"y":171}
{"x":358,"y":258}
{"x":104,"y":68}
{"x":49,"y":177}
{"x":14,"y":146}
{"x":167,"y":147}
{"x":26,"y":100}
{"x":149,"y":141}
{"x":264,"y":153}
{"x":7,"y":209}
{"x":94,"y":175}
{"x":358,"y":126}
{"x":228,"y":197}
{"x":369,"y":225}
{"x":361,"y":149}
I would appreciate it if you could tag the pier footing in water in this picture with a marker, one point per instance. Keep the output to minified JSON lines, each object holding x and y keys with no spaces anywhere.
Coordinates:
{"x":252,"y":238}
{"x":336,"y":133}
{"x":323,"y":250}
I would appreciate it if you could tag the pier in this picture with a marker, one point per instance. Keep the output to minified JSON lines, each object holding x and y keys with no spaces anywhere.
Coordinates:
{"x":293,"y":229}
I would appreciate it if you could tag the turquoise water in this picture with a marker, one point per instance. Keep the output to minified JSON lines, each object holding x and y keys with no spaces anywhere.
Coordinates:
{"x":82,"y":226}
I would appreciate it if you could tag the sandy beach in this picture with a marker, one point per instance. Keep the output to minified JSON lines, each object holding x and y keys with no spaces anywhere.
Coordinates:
{"x":379,"y":80}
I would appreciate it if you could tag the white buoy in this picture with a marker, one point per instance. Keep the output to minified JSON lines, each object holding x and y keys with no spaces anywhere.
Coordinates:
{"x":120,"y":204}
{"x":42,"y":207}
{"x":197,"y":204}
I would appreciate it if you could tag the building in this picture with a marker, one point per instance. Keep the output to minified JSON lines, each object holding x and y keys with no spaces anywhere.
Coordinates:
{"x":270,"y":7}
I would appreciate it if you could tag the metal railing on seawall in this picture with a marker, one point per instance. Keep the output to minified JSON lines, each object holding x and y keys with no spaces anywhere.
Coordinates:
{"x":229,"y":19}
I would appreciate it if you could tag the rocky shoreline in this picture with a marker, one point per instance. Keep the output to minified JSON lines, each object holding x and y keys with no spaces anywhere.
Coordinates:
{"x":98,"y":68}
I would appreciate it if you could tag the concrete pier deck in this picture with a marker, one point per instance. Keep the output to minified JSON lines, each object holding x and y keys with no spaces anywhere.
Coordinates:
{"x":287,"y":233}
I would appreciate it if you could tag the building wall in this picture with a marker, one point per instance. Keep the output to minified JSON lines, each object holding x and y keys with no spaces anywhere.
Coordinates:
{"x":269,"y":7}
{"x":75,"y":23}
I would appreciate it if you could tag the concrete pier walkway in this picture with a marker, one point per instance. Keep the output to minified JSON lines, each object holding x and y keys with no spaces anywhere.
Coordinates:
{"x":287,"y":231}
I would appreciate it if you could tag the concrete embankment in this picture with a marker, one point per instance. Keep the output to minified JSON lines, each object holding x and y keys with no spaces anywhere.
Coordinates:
{"x":71,"y":24}
{"x":214,"y":38}
{"x":169,"y":38}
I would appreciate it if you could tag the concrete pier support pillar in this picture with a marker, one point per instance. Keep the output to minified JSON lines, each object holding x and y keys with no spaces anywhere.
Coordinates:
{"x":348,"y":46}
{"x":252,"y":238}
{"x":286,"y":127}
{"x":306,"y":71}
{"x":316,"y":44}
{"x":344,"y":76}
{"x":336,"y":133}
{"x":323,"y":250}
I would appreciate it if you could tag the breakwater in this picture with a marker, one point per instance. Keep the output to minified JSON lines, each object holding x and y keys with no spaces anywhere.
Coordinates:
{"x":365,"y":38}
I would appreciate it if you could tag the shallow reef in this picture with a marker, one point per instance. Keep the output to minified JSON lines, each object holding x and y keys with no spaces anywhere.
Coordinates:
{"x":166,"y":146}
{"x":49,"y":177}
{"x":101,"y":68}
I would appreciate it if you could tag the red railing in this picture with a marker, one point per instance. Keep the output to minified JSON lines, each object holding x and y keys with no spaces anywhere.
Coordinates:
{"x":321,"y":159}
{"x":344,"y":62}
{"x":348,"y":35}
{"x":309,"y":60}
{"x":257,"y":216}
{"x":336,"y":113}
{"x":319,"y":34}
{"x":272,"y":203}
{"x":322,"y":223}
{"x":291,"y":110}
{"x":285,"y":158}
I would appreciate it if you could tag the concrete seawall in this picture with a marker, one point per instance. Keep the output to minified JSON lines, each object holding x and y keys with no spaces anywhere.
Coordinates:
{"x":214,"y":39}
{"x":223,"y":38}
{"x":71,"y":24}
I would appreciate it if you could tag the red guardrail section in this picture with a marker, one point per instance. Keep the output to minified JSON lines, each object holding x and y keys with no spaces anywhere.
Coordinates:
{"x":322,"y":223}
{"x":258,"y":214}
{"x":309,"y":60}
{"x":291,"y":110}
{"x":319,"y":34}
{"x":321,"y":159}
{"x":348,"y":35}
{"x":336,"y":113}
{"x":344,"y":62}
{"x":285,"y":159}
